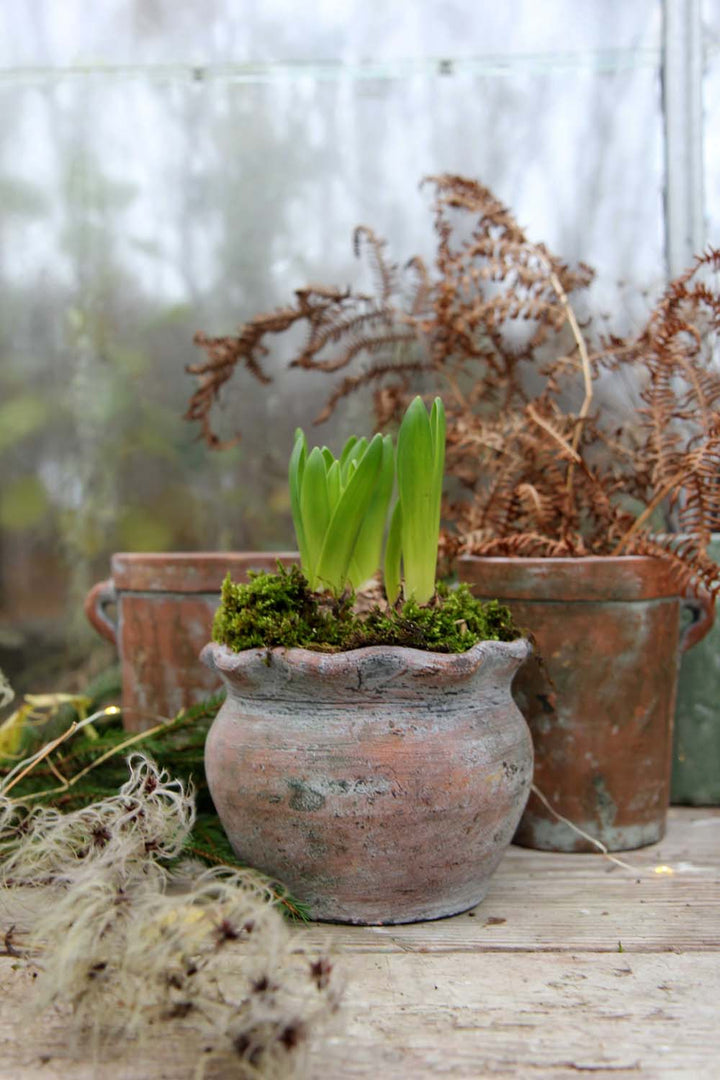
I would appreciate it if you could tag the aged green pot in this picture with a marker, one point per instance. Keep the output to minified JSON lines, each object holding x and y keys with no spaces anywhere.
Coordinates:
{"x":696,"y":763}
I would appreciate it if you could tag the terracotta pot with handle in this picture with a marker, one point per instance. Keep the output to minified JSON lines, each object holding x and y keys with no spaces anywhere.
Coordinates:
{"x":600,"y":697}
{"x":381,"y":785}
{"x":158,"y":610}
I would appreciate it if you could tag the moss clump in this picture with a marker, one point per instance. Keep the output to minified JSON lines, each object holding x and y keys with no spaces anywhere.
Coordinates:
{"x":453,"y":622}
{"x":281,"y":610}
{"x":278,"y":609}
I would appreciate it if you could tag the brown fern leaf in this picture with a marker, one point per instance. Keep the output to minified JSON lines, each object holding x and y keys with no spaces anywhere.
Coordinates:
{"x":693,"y":569}
{"x":419,"y":301}
{"x":538,"y":463}
{"x":384,"y":272}
{"x":526,"y":545}
{"x":536,"y":504}
{"x":364,"y":335}
{"x":373,"y":374}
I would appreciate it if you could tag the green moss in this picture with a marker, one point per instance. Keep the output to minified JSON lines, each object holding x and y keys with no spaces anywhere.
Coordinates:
{"x":454,"y":622}
{"x":281,"y":610}
{"x":276,"y":609}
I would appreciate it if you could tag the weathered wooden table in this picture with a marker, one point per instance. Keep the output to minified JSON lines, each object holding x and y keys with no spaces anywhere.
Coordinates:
{"x":571,"y":965}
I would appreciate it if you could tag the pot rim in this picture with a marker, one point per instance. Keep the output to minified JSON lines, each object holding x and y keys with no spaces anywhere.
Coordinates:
{"x":189,"y":571}
{"x":575,"y":577}
{"x":224,"y":659}
{"x":593,"y":559}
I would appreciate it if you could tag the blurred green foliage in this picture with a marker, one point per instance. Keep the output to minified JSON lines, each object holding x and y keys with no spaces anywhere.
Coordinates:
{"x":23,"y":503}
{"x":21,"y":416}
{"x":105,"y":274}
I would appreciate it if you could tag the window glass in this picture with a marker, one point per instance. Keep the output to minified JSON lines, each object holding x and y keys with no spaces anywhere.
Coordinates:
{"x":168,"y":166}
{"x":711,"y":119}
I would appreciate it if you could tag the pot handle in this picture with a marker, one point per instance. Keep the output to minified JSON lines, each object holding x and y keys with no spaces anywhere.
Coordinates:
{"x":703,"y":611}
{"x":96,"y":601}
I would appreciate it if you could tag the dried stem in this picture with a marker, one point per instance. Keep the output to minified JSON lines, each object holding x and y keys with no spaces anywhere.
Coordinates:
{"x":649,"y":510}
{"x":112,"y":752}
{"x":586,"y":370}
{"x":11,"y":780}
{"x":567,"y":447}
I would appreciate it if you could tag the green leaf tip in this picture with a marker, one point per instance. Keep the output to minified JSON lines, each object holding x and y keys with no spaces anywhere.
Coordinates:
{"x":420,"y":465}
{"x":340,"y":507}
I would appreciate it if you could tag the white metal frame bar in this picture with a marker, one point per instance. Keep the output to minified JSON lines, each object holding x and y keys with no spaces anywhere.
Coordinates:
{"x":682,"y":71}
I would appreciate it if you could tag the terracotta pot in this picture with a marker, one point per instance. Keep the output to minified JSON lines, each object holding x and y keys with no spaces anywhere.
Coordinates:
{"x":380,"y":785}
{"x":600,"y":694}
{"x":164,"y":606}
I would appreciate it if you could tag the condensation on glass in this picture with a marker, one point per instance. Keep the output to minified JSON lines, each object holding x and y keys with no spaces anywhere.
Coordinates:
{"x":167,"y":166}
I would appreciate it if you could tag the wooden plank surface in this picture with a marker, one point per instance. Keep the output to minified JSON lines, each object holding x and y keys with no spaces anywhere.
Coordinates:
{"x":529,"y":1015}
{"x":530,"y":984}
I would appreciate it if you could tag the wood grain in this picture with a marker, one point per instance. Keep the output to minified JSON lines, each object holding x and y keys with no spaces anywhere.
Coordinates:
{"x":531,"y":984}
{"x":539,"y":1015}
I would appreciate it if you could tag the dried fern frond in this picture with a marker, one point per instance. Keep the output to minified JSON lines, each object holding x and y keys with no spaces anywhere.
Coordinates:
{"x":541,"y":466}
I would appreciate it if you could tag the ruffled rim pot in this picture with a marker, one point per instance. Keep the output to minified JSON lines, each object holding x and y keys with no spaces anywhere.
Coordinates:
{"x":380,"y":785}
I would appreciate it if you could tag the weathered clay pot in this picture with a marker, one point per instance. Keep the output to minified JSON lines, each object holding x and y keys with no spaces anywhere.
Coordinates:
{"x":600,"y":698}
{"x":164,"y":607}
{"x":380,"y":785}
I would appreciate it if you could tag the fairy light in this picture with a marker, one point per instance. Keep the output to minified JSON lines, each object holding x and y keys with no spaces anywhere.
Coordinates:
{"x":663,"y":869}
